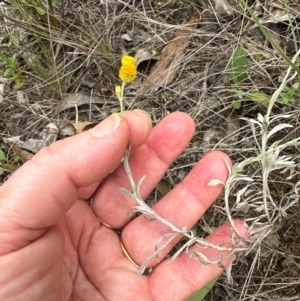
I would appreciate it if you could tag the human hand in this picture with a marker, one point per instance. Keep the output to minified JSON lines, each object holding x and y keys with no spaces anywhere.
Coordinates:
{"x":52,"y":246}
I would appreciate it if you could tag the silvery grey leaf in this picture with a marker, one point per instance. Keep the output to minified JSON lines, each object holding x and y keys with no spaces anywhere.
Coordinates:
{"x":278,"y":128}
{"x":127,"y":192}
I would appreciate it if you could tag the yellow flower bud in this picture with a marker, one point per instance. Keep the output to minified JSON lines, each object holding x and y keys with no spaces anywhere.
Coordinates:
{"x":118,"y":90}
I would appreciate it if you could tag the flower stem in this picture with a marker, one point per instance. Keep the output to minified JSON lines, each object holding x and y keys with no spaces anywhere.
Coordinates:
{"x":121,"y":98}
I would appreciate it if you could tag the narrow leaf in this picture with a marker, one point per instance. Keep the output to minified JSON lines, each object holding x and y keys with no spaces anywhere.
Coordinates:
{"x":2,"y":156}
{"x":127,"y":193}
{"x":40,"y":11}
{"x":278,"y":128}
{"x":238,"y":65}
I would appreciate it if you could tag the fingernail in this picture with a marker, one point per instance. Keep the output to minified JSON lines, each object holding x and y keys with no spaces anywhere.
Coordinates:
{"x":146,"y":115}
{"x":107,"y":126}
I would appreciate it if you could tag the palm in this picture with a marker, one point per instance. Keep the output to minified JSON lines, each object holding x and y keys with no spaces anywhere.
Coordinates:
{"x":95,"y":263}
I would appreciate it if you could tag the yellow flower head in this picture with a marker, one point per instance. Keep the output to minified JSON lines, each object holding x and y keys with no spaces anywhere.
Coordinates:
{"x":127,"y":72}
{"x":128,"y":60}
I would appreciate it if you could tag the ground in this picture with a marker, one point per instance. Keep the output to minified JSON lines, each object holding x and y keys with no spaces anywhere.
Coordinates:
{"x":59,"y":63}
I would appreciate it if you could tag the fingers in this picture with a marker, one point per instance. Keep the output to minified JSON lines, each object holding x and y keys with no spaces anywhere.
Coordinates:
{"x":165,"y":143}
{"x":40,"y":193}
{"x":183,"y":277}
{"x":183,"y":207}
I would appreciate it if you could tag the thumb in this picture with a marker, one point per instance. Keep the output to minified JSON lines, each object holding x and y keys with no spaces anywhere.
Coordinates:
{"x":39,"y":194}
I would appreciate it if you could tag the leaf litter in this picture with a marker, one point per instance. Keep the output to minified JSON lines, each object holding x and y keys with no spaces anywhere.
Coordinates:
{"x":166,"y":68}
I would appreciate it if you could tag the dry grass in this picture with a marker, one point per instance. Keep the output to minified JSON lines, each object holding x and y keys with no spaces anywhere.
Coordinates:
{"x":77,"y":48}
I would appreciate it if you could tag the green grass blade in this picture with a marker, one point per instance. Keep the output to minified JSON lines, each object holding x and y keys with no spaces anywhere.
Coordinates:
{"x":200,"y":295}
